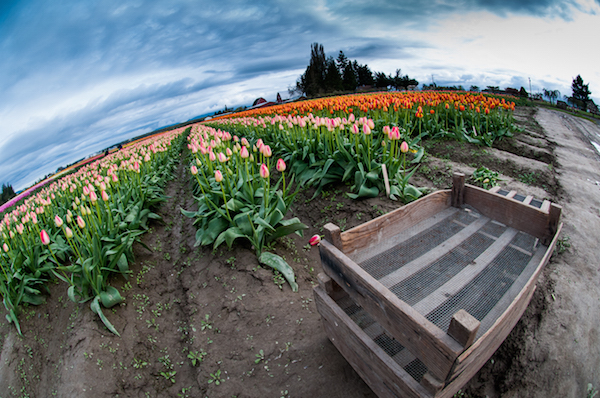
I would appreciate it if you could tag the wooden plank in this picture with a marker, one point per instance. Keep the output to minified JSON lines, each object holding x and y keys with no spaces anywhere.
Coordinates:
{"x":458,"y":189}
{"x":466,"y":275}
{"x":394,"y":222}
{"x":507,"y":211}
{"x":385,"y":244}
{"x":470,"y":361}
{"x":333,"y":234}
{"x":463,"y":328}
{"x":545,"y":206}
{"x":385,"y":377}
{"x":494,"y":189}
{"x":429,"y":343}
{"x":553,"y":223}
{"x":434,"y":254}
{"x":511,"y":194}
{"x":528,"y":199}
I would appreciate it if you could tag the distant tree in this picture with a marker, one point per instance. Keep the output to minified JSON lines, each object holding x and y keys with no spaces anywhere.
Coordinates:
{"x":349,"y":77}
{"x":342,"y":61}
{"x":333,"y":78}
{"x":312,"y":82}
{"x":7,"y":193}
{"x":523,"y":93}
{"x":581,"y":93}
{"x":552,"y":95}
{"x":382,"y":80}
{"x":402,"y":82}
{"x":493,"y":89}
{"x":474,"y":89}
{"x":365,"y":76}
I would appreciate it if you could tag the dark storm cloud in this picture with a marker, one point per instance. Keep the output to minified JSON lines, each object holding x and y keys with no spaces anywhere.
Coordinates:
{"x":180,"y":52}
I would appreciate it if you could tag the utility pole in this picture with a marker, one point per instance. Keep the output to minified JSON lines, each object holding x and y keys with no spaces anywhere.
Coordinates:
{"x":530,"y":93}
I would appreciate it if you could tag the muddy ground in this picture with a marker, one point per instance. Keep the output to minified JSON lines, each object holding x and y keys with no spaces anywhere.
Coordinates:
{"x":198,"y":322}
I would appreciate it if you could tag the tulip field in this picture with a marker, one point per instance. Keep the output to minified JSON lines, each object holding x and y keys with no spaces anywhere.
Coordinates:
{"x":244,"y":173}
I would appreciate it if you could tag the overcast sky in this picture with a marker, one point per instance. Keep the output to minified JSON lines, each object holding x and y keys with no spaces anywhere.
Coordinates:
{"x":79,"y":76}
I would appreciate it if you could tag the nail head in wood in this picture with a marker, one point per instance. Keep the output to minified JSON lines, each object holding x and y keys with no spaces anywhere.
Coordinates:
{"x":463,"y":328}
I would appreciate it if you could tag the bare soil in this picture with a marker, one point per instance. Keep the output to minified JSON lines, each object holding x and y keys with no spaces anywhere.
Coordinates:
{"x":251,"y":336}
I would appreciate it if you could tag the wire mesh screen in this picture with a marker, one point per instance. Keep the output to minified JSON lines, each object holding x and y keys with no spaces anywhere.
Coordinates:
{"x":412,"y":365}
{"x":465,"y":261}
{"x":402,"y":254}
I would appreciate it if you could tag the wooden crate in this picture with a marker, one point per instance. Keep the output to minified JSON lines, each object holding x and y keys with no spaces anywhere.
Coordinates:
{"x":417,"y":300}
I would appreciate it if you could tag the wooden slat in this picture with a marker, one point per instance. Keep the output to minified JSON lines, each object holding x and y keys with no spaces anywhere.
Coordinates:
{"x":394,"y":222}
{"x":458,"y":189}
{"x":393,"y":240}
{"x":432,"y":255}
{"x":466,"y":275}
{"x":429,"y":343}
{"x":470,"y":361}
{"x":508,"y":211}
{"x":494,"y":189}
{"x":385,"y":377}
{"x":528,"y":199}
{"x":511,"y":194}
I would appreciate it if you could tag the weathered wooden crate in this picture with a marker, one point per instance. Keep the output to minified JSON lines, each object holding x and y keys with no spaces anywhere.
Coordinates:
{"x":417,"y":300}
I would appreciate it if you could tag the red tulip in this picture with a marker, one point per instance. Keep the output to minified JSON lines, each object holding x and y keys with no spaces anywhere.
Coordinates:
{"x":315,"y":240}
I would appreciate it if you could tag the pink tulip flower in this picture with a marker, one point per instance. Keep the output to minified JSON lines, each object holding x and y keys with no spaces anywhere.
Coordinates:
{"x":194,"y":170}
{"x":58,"y":221}
{"x":315,"y":240}
{"x":280,"y":165}
{"x":264,"y":171}
{"x":45,"y":237}
{"x":404,"y":147}
{"x":218,"y":176}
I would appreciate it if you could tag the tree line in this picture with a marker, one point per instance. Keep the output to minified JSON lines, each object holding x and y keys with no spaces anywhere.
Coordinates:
{"x":326,"y":75}
{"x":7,"y":193}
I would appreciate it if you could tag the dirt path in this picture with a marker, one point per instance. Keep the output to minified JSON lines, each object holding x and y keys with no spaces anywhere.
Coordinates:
{"x":553,"y":351}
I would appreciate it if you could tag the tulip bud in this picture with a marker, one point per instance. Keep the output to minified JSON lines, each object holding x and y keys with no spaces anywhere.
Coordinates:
{"x":45,"y":237}
{"x":68,"y":233}
{"x":80,"y":222}
{"x":104,"y":196}
{"x":280,"y":165}
{"x":264,"y":171}
{"x":194,"y":170}
{"x":218,"y":176}
{"x":5,"y":247}
{"x":244,"y":153}
{"x":93,"y":197}
{"x":58,"y":221}
{"x":404,"y":147}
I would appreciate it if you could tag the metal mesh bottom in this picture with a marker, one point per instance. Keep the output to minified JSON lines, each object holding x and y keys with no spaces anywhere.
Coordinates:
{"x":394,"y":258}
{"x":415,"y":368}
{"x":480,"y":295}
{"x":458,"y":272}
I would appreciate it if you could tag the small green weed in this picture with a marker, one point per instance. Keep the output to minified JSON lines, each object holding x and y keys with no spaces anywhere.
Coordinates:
{"x":485,"y":177}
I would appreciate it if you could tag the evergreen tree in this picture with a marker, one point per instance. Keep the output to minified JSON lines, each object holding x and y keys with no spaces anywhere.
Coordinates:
{"x":349,"y":78}
{"x":333,"y":79}
{"x":7,"y":193}
{"x":342,"y":62}
{"x":312,"y":82}
{"x":365,"y":76}
{"x":581,"y":93}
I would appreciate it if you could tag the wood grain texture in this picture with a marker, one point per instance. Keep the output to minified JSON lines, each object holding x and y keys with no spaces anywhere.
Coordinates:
{"x":508,"y":211}
{"x":385,"y":377}
{"x":426,"y":341}
{"x":458,"y":189}
{"x":395,"y":221}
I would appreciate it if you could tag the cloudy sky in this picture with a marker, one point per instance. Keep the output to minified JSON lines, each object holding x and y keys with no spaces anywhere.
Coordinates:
{"x":79,"y":76}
